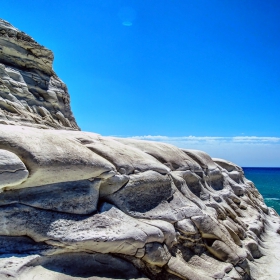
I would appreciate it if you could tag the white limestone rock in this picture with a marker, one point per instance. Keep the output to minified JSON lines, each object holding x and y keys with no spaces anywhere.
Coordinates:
{"x":167,"y":229}
{"x":143,"y":192}
{"x":156,"y":254}
{"x":31,"y":94}
{"x":78,"y":197}
{"x":163,"y":222}
{"x":112,"y":184}
{"x":69,"y":266}
{"x":12,"y":169}
{"x":102,"y":233}
{"x":167,"y":154}
{"x":51,"y":157}
{"x":76,"y":205}
{"x":128,"y":160}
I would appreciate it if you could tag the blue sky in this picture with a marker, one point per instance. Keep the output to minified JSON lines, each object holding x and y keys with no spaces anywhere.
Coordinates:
{"x":168,"y":69}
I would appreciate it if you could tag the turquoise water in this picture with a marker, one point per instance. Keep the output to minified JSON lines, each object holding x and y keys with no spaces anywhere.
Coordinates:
{"x":267,"y":181}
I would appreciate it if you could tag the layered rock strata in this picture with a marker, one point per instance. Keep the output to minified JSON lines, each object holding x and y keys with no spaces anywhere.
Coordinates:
{"x":31,"y":94}
{"x":76,"y":205}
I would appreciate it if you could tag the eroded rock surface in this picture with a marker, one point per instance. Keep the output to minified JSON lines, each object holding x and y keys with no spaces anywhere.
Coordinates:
{"x":70,"y":193}
{"x":76,"y":205}
{"x":31,"y":94}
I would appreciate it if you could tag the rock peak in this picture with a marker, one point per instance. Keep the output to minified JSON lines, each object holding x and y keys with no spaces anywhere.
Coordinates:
{"x":30,"y":92}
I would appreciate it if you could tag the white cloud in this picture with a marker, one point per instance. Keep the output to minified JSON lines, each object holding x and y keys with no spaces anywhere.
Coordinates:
{"x":256,"y":140}
{"x":209,"y":139}
{"x":243,"y":150}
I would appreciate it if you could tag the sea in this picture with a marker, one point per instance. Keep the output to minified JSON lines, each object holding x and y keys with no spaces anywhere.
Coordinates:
{"x":267,"y":181}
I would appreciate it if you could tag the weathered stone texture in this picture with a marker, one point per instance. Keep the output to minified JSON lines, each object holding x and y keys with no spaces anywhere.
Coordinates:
{"x":31,"y":94}
{"x":76,"y":205}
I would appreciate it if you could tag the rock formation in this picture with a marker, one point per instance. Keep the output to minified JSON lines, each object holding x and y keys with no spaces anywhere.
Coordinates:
{"x":31,"y":94}
{"x":76,"y":205}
